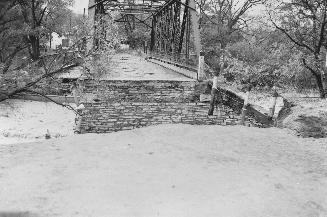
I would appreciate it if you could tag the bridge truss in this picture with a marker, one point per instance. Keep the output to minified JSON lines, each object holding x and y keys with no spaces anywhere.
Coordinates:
{"x":174,"y":25}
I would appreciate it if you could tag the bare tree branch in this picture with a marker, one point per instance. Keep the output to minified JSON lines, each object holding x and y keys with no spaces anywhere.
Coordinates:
{"x":58,"y":103}
{"x":301,"y":44}
{"x":32,"y":83}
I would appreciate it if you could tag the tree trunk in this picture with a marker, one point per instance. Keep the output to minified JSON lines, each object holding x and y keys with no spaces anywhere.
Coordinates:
{"x":50,"y":41}
{"x":324,"y":80}
{"x":35,"y":44}
{"x":319,"y":79}
{"x":320,"y":85}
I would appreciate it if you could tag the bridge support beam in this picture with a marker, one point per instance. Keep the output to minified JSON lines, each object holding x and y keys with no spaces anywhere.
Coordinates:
{"x":197,"y":39}
{"x":175,"y":34}
{"x":195,"y":27}
{"x":95,"y":20}
{"x":91,"y":23}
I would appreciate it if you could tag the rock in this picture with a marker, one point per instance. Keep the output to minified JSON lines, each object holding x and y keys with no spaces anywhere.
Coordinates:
{"x":47,"y":135}
{"x":80,"y":107}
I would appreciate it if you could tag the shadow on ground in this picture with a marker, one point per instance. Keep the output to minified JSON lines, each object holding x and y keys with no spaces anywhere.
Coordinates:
{"x":17,"y":214}
{"x":312,"y":126}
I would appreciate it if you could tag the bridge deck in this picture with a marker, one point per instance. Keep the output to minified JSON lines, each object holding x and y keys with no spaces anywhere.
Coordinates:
{"x":131,"y":67}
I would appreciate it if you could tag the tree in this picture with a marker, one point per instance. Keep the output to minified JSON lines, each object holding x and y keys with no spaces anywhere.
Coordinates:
{"x":226,"y":19}
{"x":106,"y":34}
{"x":25,"y":78}
{"x":11,"y":33}
{"x":304,"y":22}
{"x":264,"y":58}
{"x":23,"y":24}
{"x":42,"y":17}
{"x":21,"y":28}
{"x":135,"y":30}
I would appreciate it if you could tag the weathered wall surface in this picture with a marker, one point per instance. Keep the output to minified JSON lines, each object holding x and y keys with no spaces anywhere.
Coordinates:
{"x":121,"y":105}
{"x":254,"y":113}
{"x":141,"y":91}
{"x":109,"y":117}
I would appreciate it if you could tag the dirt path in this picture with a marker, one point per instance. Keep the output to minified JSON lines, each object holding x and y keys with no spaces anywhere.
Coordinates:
{"x":132,"y":67}
{"x":169,"y":171}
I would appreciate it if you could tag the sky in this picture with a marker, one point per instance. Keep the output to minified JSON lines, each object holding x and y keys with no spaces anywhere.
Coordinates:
{"x":80,"y":5}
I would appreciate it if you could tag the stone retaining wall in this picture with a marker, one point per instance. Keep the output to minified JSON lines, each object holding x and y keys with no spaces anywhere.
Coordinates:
{"x":121,"y":105}
{"x":109,"y":117}
{"x":255,"y":114}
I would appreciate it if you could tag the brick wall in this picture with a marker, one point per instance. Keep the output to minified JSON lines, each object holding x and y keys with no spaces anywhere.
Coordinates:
{"x":121,"y":105}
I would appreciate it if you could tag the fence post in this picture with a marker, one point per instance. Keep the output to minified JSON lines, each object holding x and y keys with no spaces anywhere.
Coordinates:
{"x":214,"y":92}
{"x":245,"y":105}
{"x":273,"y":104}
{"x":201,"y":75}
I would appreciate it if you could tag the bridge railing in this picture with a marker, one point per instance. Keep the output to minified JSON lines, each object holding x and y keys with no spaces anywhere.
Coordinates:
{"x":175,"y":33}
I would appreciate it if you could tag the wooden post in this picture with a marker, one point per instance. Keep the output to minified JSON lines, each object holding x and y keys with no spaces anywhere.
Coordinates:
{"x":323,"y":75}
{"x":245,"y":105}
{"x":78,"y":123}
{"x":201,"y":75}
{"x":78,"y":119}
{"x":273,"y":104}
{"x":214,"y":92}
{"x":75,"y":93}
{"x":79,"y":103}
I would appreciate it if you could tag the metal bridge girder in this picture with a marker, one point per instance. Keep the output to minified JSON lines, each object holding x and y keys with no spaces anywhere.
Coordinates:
{"x":174,"y":31}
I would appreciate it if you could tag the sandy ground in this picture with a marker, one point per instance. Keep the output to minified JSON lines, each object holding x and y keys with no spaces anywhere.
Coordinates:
{"x":168,"y":171}
{"x":132,"y":67}
{"x":23,"y":121}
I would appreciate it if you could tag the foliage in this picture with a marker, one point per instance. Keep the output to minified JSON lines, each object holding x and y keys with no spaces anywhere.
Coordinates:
{"x":137,"y":38}
{"x":259,"y":54}
{"x":25,"y":24}
{"x":99,"y":63}
{"x":11,"y":33}
{"x":304,"y":22}
{"x":265,"y":60}
{"x":106,"y":32}
{"x":32,"y":73}
{"x":222,"y":22}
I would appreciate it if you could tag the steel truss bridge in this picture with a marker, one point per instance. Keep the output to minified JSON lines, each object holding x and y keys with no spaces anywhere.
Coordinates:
{"x":175,"y":36}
